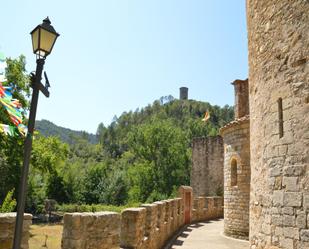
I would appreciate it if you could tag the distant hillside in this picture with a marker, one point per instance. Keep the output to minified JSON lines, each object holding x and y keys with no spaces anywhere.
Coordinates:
{"x":186,"y":115}
{"x":47,"y":128}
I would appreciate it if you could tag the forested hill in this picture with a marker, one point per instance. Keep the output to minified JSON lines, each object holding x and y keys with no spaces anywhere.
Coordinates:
{"x":47,"y":128}
{"x":184,"y":114}
{"x":142,"y":156}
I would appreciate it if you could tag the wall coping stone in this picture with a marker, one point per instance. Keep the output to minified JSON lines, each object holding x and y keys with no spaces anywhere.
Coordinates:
{"x":233,"y":124}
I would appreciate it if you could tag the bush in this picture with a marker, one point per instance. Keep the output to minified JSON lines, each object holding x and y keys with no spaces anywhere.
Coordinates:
{"x":9,"y":203}
{"x":70,"y":208}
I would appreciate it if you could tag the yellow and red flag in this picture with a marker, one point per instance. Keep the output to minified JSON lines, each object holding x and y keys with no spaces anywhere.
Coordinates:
{"x":206,"y":117}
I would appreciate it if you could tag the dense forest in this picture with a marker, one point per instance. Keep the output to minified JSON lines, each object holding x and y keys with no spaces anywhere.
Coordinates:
{"x":142,"y":156}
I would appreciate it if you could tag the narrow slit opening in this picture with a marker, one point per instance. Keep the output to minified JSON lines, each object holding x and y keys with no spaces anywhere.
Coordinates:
{"x":280,"y":117}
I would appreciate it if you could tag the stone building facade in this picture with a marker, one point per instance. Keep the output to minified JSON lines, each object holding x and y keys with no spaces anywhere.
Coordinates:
{"x":207,"y":166}
{"x":278,"y":41}
{"x":236,"y":137}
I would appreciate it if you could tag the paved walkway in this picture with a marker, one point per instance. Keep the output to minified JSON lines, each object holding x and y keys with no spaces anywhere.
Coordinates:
{"x":206,"y":235}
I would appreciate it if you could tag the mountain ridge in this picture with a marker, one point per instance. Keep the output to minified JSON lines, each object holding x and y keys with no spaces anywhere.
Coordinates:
{"x":67,"y":135}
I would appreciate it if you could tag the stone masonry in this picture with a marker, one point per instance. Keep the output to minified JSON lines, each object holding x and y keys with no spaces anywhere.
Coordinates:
{"x":241,"y":107}
{"x":183,"y":93}
{"x":237,"y":190}
{"x":207,"y":166}
{"x":236,"y":139}
{"x":147,"y":227}
{"x":278,"y":41}
{"x":98,"y":230}
{"x":7,"y":227}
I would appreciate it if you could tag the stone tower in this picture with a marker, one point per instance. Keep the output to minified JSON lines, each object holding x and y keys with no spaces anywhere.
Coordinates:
{"x":207,"y":166}
{"x":236,"y":137}
{"x":278,"y":41}
{"x":183,"y":93}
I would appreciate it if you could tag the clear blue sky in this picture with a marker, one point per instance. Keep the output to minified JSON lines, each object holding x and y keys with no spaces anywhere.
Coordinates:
{"x":118,"y":55}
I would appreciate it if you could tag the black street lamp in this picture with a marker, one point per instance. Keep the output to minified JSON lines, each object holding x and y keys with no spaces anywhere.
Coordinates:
{"x":43,"y":37}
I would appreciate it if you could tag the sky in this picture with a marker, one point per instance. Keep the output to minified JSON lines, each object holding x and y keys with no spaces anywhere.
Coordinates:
{"x":114,"y":56}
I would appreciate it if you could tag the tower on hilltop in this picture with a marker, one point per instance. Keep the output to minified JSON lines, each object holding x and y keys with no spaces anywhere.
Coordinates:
{"x":183,"y":93}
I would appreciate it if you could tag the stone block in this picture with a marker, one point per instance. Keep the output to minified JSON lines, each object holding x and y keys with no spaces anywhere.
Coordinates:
{"x":277,"y":220}
{"x":91,"y":230}
{"x":278,"y":198}
{"x":287,"y":243}
{"x":292,"y":199}
{"x":304,"y":235}
{"x":288,"y":220}
{"x":303,"y":245}
{"x":290,"y":183}
{"x":291,"y":232}
{"x":288,"y":210}
{"x":294,"y":170}
{"x":301,"y":219}
{"x":306,"y":201}
{"x":151,"y":224}
{"x":132,"y":227}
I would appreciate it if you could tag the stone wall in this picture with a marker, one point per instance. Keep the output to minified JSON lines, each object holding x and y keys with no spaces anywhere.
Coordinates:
{"x":241,"y":90}
{"x":207,"y":166}
{"x":151,"y":225}
{"x":278,"y":36}
{"x":7,"y":227}
{"x":147,"y":227}
{"x":98,"y":230}
{"x":236,"y":177}
{"x":207,"y":208}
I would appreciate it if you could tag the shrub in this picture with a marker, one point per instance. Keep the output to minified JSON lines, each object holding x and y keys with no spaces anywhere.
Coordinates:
{"x":9,"y":203}
{"x":70,"y":208}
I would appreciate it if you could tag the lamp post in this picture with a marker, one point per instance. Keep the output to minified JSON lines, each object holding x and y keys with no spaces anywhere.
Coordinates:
{"x":43,"y":37}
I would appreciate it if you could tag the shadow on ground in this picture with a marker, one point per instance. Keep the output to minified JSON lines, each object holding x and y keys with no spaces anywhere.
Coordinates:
{"x":205,"y":235}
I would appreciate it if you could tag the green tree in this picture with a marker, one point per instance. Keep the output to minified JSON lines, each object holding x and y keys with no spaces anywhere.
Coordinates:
{"x":161,"y":148}
{"x":49,"y":155}
{"x":11,"y":148}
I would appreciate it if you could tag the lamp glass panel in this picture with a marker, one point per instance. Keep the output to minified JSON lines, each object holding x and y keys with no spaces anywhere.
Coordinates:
{"x":35,"y":40}
{"x":47,"y":40}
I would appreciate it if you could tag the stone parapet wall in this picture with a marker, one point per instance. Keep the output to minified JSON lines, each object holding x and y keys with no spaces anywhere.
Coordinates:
{"x":7,"y":228}
{"x":98,"y":230}
{"x":207,"y":208}
{"x":149,"y":226}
